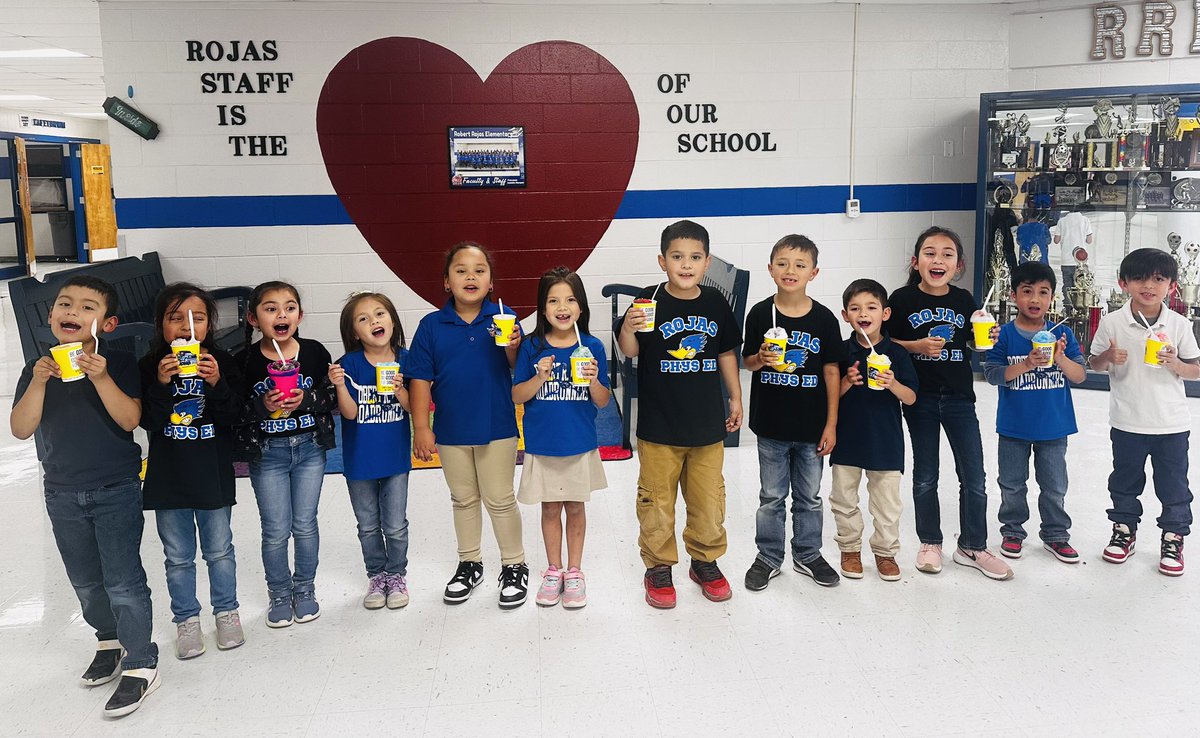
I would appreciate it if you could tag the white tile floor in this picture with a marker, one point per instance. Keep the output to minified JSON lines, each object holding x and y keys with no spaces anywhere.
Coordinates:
{"x":1048,"y":653}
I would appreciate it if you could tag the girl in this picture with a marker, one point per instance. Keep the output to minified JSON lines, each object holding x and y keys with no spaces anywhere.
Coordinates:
{"x":455,"y":359}
{"x":376,"y":443}
{"x":562,"y":464}
{"x":930,"y":320}
{"x":284,"y":436}
{"x":189,"y":471}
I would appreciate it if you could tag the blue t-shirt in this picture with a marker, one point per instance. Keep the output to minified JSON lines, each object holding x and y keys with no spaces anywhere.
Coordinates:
{"x":1033,"y":233}
{"x":472,"y":383}
{"x":869,"y":432}
{"x":378,"y":443}
{"x":1035,"y":406}
{"x":560,"y":420}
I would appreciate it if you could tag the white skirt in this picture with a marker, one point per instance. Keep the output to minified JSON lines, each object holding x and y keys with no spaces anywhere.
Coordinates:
{"x":561,"y":478}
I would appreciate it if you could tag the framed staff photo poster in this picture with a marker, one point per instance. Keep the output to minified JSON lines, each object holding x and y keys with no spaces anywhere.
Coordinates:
{"x":487,"y":156}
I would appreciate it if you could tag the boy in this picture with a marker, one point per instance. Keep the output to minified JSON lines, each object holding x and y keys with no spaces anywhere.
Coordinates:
{"x":1146,"y":406}
{"x":681,"y":422}
{"x":794,"y":411}
{"x":90,"y":461}
{"x":1034,"y":414}
{"x":872,"y":418}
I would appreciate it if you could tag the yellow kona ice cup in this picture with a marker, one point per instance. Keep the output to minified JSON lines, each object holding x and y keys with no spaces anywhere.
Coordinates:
{"x":577,"y":365}
{"x":1153,"y":346}
{"x":66,"y":355}
{"x":647,"y":307}
{"x":505,"y":323}
{"x":1047,"y":351}
{"x":189,"y":358}
{"x":385,"y":377}
{"x":779,"y":348}
{"x":983,"y":334}
{"x":876,"y":364}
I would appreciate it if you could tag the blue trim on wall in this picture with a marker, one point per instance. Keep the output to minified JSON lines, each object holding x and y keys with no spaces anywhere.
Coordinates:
{"x":240,"y":211}
{"x":40,"y":138}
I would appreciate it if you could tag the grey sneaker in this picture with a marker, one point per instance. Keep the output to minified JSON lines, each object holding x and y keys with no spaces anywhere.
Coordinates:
{"x":229,"y":630}
{"x":376,"y":592}
{"x":397,"y":592}
{"x":189,"y":641}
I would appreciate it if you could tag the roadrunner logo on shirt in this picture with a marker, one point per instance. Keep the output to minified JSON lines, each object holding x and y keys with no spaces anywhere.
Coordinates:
{"x":185,"y":411}
{"x":689,"y":346}
{"x":794,"y":358}
{"x":949,"y":321}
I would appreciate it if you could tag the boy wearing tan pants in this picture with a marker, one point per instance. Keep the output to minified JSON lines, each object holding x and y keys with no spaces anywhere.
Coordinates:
{"x":869,"y":420}
{"x":683,"y":359}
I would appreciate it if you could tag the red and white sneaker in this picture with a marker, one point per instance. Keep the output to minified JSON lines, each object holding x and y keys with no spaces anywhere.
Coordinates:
{"x":1010,"y":547}
{"x":660,"y":590}
{"x":1062,"y":551}
{"x":1120,"y":546}
{"x":1170,"y":560}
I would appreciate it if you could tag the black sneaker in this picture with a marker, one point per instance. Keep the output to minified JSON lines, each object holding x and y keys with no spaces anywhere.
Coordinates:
{"x":514,"y":585}
{"x":759,"y":575}
{"x":820,"y":571}
{"x":106,"y":665}
{"x":466,"y":579}
{"x":132,"y":690}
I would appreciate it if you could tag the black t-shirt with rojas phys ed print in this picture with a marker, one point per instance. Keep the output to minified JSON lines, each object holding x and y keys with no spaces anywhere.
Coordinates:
{"x":679,"y":383}
{"x":916,"y":315}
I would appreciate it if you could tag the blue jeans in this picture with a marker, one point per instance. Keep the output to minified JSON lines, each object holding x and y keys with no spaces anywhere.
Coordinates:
{"x":1169,"y":455}
{"x":177,"y":529}
{"x":783,"y":465}
{"x":287,"y":484}
{"x":99,"y":536}
{"x":381,"y":509}
{"x":1050,"y":470}
{"x":926,"y":417}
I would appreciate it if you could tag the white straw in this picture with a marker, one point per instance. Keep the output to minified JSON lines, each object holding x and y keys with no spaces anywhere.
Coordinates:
{"x":655,"y":293}
{"x":95,"y":337}
{"x":1143,"y":317}
{"x":1051,"y":328}
{"x":868,"y":340}
{"x":192,"y":325}
{"x":501,"y":306}
{"x":578,"y":337}
{"x":279,"y":351}
{"x":988,"y":299}
{"x":774,"y":315}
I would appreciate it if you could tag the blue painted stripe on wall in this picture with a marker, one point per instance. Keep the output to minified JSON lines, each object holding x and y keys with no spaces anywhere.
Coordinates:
{"x":237,"y":211}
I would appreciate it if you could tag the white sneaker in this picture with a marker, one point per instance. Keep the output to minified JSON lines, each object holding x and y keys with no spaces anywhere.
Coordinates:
{"x":189,"y":641}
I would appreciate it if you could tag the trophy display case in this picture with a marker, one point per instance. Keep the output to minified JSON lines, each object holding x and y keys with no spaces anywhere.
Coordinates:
{"x":1077,"y":179}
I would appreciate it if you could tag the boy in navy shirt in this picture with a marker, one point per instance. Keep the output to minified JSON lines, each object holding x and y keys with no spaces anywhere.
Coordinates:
{"x":870,"y":421}
{"x":1034,"y":414}
{"x":84,"y":433}
{"x":682,"y":421}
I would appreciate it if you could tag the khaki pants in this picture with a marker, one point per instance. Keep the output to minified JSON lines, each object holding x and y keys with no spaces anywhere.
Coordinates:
{"x":476,"y":473}
{"x":883,"y":500}
{"x":697,"y":473}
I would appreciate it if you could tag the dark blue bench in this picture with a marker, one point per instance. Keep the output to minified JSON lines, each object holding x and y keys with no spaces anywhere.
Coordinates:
{"x":727,"y":279}
{"x":138,"y":282}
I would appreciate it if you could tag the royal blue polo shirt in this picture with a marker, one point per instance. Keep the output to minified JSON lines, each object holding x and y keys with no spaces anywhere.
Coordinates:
{"x":472,"y":382}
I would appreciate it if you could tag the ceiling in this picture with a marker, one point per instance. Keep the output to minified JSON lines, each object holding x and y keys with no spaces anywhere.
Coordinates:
{"x":75,"y":86}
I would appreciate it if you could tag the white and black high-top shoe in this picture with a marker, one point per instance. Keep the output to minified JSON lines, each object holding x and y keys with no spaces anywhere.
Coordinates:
{"x":514,"y":585}
{"x":135,"y":686}
{"x":465,"y":580}
{"x":106,"y":665}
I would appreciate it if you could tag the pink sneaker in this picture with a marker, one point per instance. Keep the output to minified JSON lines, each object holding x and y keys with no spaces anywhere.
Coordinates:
{"x":985,"y":561}
{"x":929,"y":558}
{"x":574,"y":593}
{"x":552,"y":587}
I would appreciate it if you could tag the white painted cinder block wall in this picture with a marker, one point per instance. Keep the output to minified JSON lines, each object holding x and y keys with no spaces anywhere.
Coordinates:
{"x":787,"y":70}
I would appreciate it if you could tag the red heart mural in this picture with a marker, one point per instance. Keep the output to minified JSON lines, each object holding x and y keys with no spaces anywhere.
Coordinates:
{"x":382,"y":122}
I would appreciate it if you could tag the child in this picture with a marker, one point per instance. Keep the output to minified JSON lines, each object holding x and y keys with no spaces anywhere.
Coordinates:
{"x":455,"y":360}
{"x":1035,"y":414}
{"x":681,"y":422}
{"x":562,"y":464}
{"x":285,"y":442}
{"x":85,"y":443}
{"x":1146,"y":406}
{"x":929,"y":320}
{"x":869,"y":421}
{"x":189,"y":471}
{"x":794,"y":411}
{"x":376,"y":443}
